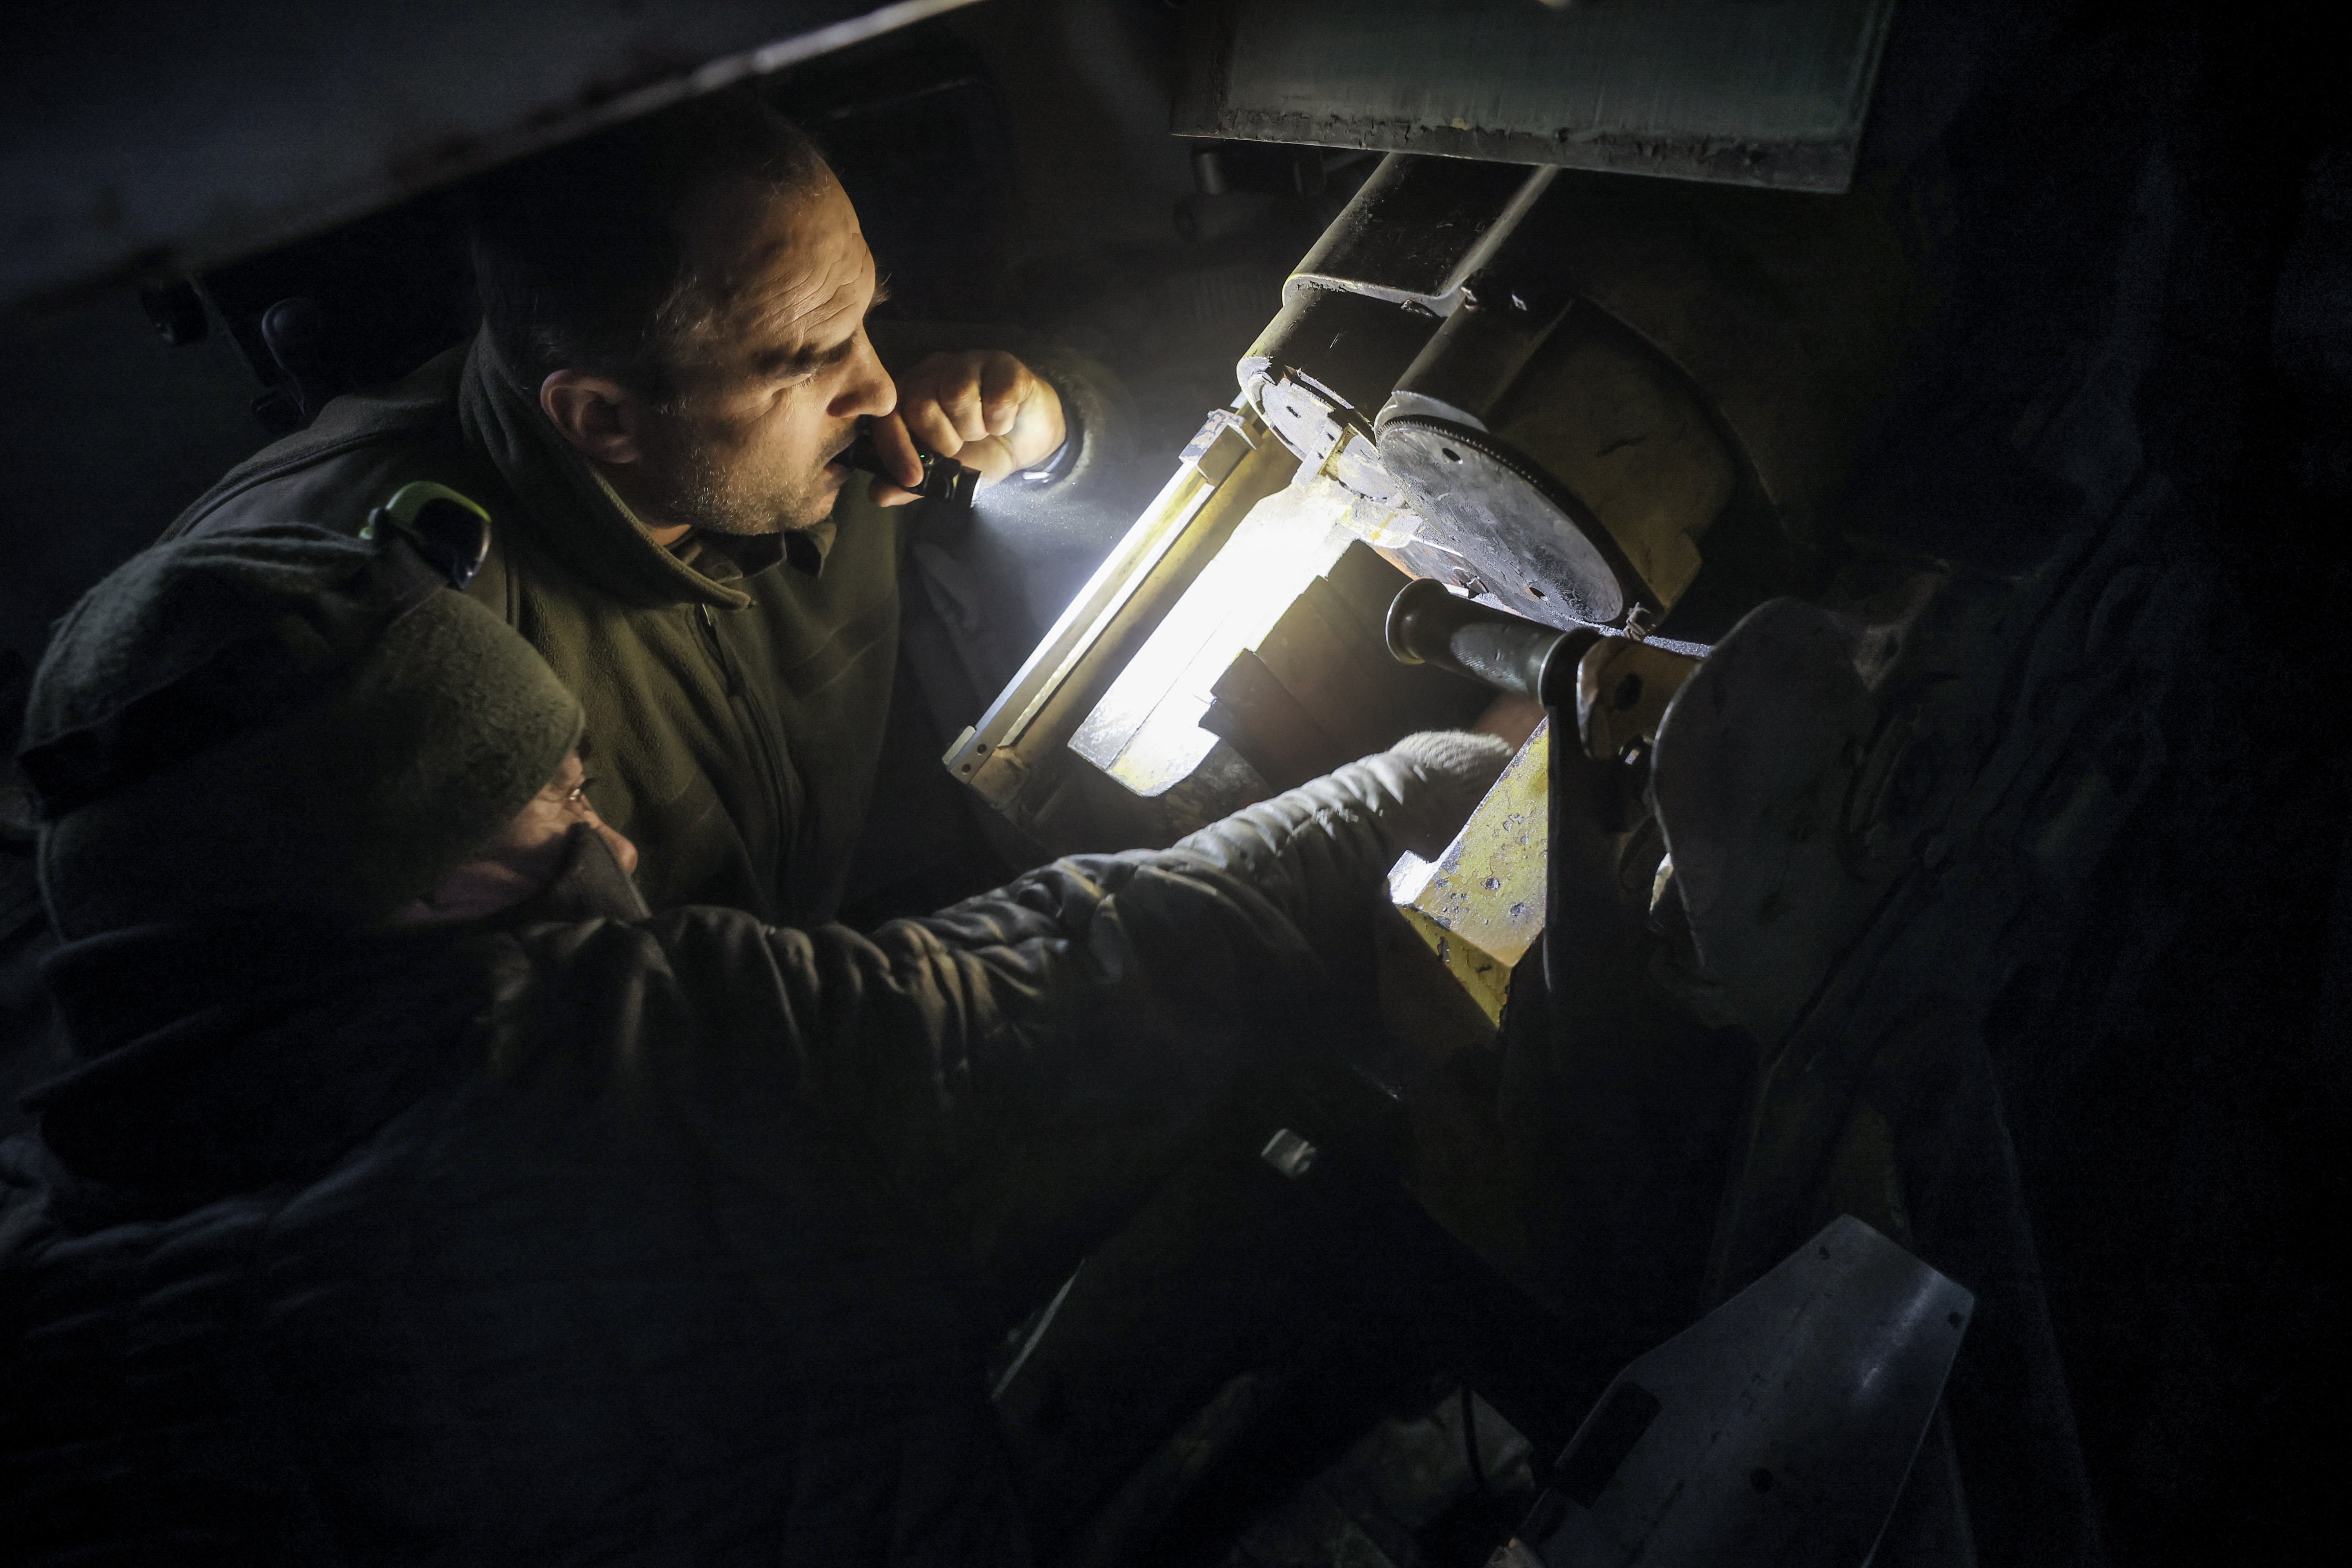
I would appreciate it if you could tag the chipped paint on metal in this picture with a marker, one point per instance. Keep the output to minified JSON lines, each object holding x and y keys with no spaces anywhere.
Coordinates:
{"x":1480,"y":905}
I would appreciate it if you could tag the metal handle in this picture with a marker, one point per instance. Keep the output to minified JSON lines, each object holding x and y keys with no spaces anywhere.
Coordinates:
{"x":1428,"y":625}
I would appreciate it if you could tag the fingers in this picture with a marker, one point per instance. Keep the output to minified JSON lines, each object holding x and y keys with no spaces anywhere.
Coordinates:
{"x":932,"y":397}
{"x":960,"y":399}
{"x":930,"y":423}
{"x":983,"y":408}
{"x":1004,"y":383}
{"x":1038,"y":427}
{"x":949,"y":400}
{"x":897,"y":450}
{"x":896,"y":447}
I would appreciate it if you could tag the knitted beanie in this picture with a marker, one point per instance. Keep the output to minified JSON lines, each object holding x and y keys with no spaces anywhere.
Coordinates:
{"x":284,"y":719}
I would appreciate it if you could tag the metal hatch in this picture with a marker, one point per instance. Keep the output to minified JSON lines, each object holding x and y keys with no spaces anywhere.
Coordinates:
{"x":1752,"y":92}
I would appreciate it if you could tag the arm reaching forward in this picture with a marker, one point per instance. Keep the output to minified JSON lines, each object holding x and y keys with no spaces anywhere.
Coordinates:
{"x":1010,"y":1073}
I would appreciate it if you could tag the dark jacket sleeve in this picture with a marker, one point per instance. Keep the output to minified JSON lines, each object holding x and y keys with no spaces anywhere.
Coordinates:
{"x":1013,"y":1072}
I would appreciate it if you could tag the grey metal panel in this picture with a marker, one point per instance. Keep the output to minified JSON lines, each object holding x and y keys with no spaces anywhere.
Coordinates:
{"x":1777,"y":1430}
{"x":149,"y":135}
{"x":1765,"y":92}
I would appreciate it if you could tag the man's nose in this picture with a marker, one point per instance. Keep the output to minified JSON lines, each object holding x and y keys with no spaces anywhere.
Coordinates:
{"x":624,"y":849}
{"x":869,"y":391}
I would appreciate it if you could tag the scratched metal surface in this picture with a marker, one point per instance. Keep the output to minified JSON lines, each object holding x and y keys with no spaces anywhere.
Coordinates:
{"x":1764,"y":92}
{"x":154,"y":136}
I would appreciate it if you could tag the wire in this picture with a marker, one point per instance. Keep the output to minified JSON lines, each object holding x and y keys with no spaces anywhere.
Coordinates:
{"x":1044,"y":1321}
{"x":1470,"y":1438}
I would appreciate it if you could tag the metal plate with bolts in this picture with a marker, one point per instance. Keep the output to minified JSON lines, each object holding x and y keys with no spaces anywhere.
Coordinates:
{"x":1479,"y":906}
{"x":1780,"y":1429}
{"x":1532,"y":544}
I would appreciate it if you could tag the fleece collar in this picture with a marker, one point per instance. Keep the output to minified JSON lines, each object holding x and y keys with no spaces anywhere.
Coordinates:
{"x":582,"y":520}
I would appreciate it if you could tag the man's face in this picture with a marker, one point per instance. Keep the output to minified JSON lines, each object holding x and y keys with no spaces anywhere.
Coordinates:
{"x":774,"y":369}
{"x":522,"y":856}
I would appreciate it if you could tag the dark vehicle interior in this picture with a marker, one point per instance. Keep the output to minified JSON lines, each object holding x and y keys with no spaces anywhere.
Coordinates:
{"x":1904,"y":445}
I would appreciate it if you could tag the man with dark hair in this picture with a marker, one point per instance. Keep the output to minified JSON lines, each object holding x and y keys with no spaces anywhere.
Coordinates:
{"x":561,"y":286}
{"x":418,"y":1197}
{"x":673,"y":360}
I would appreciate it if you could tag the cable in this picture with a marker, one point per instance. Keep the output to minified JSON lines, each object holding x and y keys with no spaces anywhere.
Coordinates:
{"x":1044,"y":1321}
{"x":1470,"y":1438}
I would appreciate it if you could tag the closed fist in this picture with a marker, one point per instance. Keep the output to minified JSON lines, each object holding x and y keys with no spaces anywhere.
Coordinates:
{"x":983,"y":407}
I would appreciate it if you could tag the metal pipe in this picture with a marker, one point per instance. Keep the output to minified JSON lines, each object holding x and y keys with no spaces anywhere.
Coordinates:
{"x":1428,"y":625}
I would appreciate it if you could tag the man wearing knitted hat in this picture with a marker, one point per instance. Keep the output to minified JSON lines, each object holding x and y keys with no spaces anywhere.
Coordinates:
{"x":673,"y":361}
{"x":417,"y":1195}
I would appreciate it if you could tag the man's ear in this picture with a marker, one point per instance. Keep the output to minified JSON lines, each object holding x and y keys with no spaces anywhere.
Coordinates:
{"x":596,"y":414}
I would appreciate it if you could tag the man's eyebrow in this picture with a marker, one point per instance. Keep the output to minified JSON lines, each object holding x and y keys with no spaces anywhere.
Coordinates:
{"x":801,"y":361}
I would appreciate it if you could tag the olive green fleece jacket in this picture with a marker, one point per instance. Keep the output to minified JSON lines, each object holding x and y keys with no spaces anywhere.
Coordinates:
{"x":736,"y":689}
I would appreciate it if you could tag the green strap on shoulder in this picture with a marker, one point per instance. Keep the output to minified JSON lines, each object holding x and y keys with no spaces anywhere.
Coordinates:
{"x":450,"y":531}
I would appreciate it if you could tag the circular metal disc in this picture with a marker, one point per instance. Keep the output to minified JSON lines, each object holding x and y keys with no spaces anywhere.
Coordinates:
{"x":1532,"y":544}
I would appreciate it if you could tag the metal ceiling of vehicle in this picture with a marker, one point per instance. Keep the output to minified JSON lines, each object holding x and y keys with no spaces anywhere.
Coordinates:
{"x":144,"y":137}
